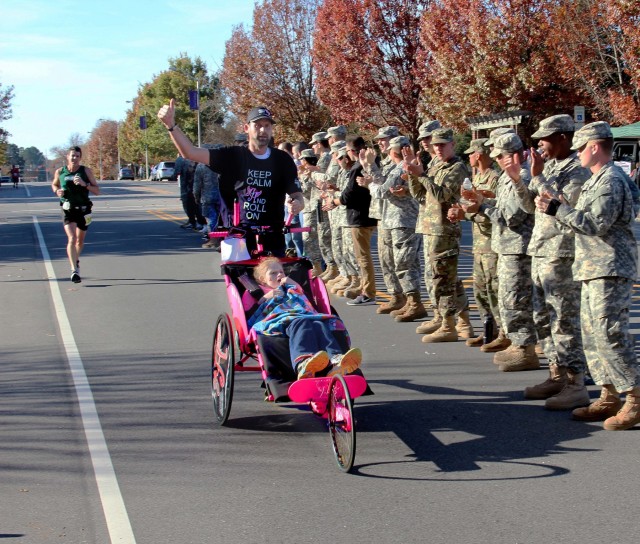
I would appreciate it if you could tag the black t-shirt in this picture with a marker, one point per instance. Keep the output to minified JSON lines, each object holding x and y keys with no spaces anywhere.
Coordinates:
{"x":357,"y":199}
{"x":259,"y":185}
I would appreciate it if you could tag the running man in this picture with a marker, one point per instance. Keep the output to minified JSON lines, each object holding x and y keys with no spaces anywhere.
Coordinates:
{"x":73,"y":183}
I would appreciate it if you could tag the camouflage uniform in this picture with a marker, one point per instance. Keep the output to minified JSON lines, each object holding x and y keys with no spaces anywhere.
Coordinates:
{"x":311,"y":196}
{"x":438,"y":191}
{"x":324,"y":227}
{"x":485,"y":260}
{"x":606,"y":264}
{"x":556,"y":295}
{"x":342,"y":239}
{"x":400,"y":245}
{"x":511,"y":231}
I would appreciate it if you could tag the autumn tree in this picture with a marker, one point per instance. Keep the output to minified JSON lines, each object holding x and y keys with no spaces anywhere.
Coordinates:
{"x":487,"y":56}
{"x":364,"y":56}
{"x":599,"y":48}
{"x":270,"y":64}
{"x":100,"y":152}
{"x":6,"y":96}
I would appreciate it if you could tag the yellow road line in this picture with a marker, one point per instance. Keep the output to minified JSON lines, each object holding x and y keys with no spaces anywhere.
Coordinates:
{"x":166,"y":216}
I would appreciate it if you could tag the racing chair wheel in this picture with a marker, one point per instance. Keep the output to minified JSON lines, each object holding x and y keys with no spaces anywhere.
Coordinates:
{"x":222,"y":368}
{"x":341,"y":423}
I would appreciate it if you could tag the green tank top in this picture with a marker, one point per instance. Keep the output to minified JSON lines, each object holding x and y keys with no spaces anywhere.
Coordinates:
{"x":74,"y":194}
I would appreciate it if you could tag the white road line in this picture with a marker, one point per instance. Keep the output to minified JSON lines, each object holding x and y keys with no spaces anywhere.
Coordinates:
{"x":113,"y":506}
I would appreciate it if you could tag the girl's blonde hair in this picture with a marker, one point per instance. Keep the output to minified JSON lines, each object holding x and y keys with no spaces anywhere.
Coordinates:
{"x":260,"y":271}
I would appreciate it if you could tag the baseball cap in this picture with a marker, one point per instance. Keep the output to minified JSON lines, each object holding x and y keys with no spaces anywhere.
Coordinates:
{"x":261,"y":112}
{"x":339,"y":130}
{"x":599,"y":130}
{"x":498,"y":132}
{"x":442,"y":136}
{"x":399,"y":142}
{"x":506,"y":143}
{"x":387,"y":132}
{"x":337,"y":146}
{"x":553,"y":124}
{"x":318,"y":137}
{"x":426,"y":129}
{"x":477,"y":146}
{"x":307,"y":154}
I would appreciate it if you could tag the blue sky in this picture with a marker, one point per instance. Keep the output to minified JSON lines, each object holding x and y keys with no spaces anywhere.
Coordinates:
{"x":73,"y":62}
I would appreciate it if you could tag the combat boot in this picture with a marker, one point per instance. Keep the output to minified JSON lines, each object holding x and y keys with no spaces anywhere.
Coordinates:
{"x":464,"y":326}
{"x":446,"y":333}
{"x":475,"y":342}
{"x":499,"y":344}
{"x":413,"y":309}
{"x":430,"y":326}
{"x":573,"y":394}
{"x":339,"y":283}
{"x":353,"y":289}
{"x":608,"y":405}
{"x":330,"y":273}
{"x":629,"y":414}
{"x":396,"y":302}
{"x":540,"y":351}
{"x":551,"y":386}
{"x":516,"y":358}
{"x":316,"y":271}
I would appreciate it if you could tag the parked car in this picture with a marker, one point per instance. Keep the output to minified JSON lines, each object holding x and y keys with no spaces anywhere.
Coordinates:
{"x":165,"y":170}
{"x":125,"y":173}
{"x":152,"y":172}
{"x":5,"y":179}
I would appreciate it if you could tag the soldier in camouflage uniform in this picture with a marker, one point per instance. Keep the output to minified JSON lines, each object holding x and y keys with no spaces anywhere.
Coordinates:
{"x":485,"y":260}
{"x":556,"y":295}
{"x":400,"y":245}
{"x":511,"y":231}
{"x":606,"y":264}
{"x":311,"y":196}
{"x":341,"y":237}
{"x":320,"y":145}
{"x":439,"y":190}
{"x":373,"y":172}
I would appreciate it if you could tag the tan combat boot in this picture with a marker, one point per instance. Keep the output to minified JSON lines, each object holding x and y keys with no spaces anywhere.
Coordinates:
{"x":330,"y":273}
{"x":430,"y":326}
{"x":540,"y":351}
{"x":499,"y":344}
{"x":475,"y":342}
{"x":605,"y":407}
{"x":573,"y":394}
{"x":413,"y":309}
{"x":551,"y":386}
{"x":353,"y":289}
{"x":340,"y":282}
{"x":446,"y":333}
{"x":464,"y":326}
{"x":396,"y":302}
{"x":516,"y":358}
{"x":629,"y":414}
{"x":316,"y":272}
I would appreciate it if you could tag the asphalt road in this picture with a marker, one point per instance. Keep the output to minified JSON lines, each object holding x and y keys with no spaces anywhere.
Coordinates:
{"x":448,"y":450}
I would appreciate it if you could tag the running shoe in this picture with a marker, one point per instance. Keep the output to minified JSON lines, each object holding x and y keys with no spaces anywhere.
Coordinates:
{"x":75,"y":277}
{"x":309,"y":366}
{"x":361,"y":300}
{"x":349,"y":362}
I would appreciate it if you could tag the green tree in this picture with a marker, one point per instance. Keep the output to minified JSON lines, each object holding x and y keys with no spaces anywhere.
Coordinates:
{"x":6,"y":95}
{"x":33,"y":157}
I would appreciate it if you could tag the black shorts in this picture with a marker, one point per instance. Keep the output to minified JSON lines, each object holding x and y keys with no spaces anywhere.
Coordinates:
{"x":75,"y":216}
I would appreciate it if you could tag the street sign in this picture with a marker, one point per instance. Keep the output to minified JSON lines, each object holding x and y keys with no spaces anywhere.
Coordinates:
{"x":143,"y":122}
{"x":193,"y":100}
{"x":578,"y":116}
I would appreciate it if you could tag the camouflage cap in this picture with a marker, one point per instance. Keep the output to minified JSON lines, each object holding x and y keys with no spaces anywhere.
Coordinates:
{"x":318,"y":137}
{"x":240,"y":137}
{"x":337,"y":146}
{"x":442,"y":136}
{"x":506,"y":143}
{"x":593,"y":131}
{"x":498,"y":132}
{"x":399,"y":142}
{"x":477,"y":146}
{"x":553,"y":124}
{"x":340,"y":131}
{"x":387,"y":132}
{"x":308,"y":154}
{"x":342,"y":152}
{"x":426,"y":129}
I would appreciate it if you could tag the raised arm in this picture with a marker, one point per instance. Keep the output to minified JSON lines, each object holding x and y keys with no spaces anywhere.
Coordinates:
{"x":167,"y":114}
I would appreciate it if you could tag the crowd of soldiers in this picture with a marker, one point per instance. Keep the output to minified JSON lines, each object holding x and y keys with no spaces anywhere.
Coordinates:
{"x":554,"y":253}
